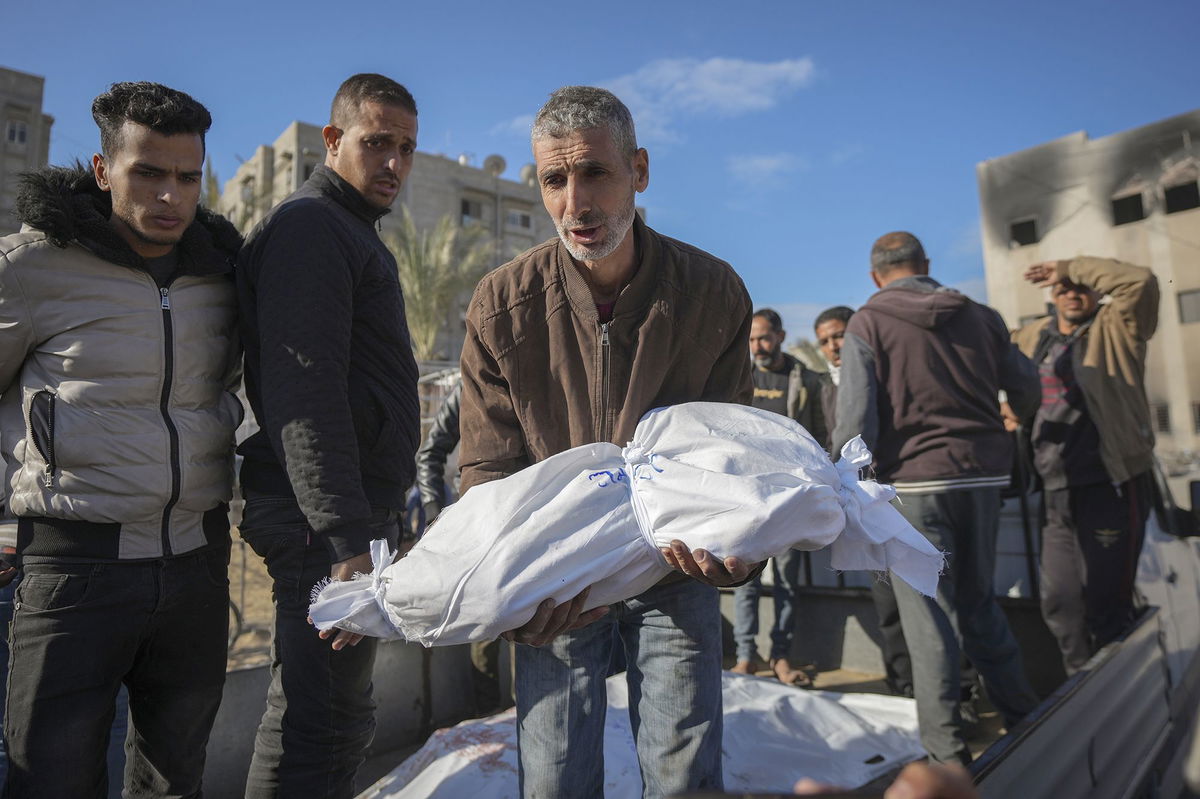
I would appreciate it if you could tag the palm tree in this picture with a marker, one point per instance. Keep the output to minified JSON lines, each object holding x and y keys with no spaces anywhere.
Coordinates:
{"x":435,"y":267}
{"x":211,"y":193}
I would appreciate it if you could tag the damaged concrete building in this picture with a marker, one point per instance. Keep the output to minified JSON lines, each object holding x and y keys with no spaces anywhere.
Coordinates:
{"x":1134,"y":196}
{"x":25,"y":145}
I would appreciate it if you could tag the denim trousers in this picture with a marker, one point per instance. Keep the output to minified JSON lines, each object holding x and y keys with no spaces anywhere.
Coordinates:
{"x":79,"y":631}
{"x":672,"y":640}
{"x":963,"y":524}
{"x":785,"y":569}
{"x":320,"y":715}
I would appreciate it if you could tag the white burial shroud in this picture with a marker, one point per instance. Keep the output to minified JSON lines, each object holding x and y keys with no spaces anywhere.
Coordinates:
{"x":727,"y":478}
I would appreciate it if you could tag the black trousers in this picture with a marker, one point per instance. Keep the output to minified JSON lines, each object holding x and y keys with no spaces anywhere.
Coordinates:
{"x":320,"y":715}
{"x":1091,"y":539}
{"x":81,"y":630}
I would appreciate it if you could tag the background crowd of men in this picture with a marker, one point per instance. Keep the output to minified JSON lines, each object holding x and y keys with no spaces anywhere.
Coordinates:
{"x":126,"y":309}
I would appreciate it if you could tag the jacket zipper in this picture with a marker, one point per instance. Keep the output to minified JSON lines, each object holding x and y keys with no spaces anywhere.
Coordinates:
{"x":604,"y":432}
{"x":45,"y":449}
{"x":164,"y":407}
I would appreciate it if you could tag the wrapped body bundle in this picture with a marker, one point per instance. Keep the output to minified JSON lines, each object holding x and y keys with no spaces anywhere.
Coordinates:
{"x":731,"y":479}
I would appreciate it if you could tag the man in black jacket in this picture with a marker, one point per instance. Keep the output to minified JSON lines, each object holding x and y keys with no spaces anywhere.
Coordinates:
{"x":331,"y":378}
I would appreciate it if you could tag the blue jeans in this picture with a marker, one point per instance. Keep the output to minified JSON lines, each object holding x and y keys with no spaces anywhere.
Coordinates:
{"x":79,"y":631}
{"x":672,"y":639}
{"x":320,"y":715}
{"x":963,"y":524}
{"x":786,"y":571}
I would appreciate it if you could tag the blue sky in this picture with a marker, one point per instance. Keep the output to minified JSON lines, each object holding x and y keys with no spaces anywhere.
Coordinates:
{"x":784,"y":137}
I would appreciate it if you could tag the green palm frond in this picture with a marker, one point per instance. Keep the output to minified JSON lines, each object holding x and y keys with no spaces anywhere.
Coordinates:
{"x":435,"y":267}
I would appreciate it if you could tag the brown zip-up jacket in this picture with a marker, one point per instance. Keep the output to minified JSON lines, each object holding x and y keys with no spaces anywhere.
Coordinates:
{"x":1110,"y":359}
{"x":541,"y":374}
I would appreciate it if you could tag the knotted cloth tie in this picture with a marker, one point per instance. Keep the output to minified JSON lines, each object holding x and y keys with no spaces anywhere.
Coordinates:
{"x":872,"y":524}
{"x":358,"y":610}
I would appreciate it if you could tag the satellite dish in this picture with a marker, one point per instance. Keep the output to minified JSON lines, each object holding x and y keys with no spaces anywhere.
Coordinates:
{"x":464,"y":160}
{"x":494,"y":165}
{"x":529,"y":175}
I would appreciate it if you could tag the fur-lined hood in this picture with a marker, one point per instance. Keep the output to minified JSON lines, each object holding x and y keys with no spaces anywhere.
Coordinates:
{"x":66,"y":204}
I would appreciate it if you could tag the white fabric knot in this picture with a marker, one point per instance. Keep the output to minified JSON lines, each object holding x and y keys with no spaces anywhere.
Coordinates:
{"x":639,"y":464}
{"x":874,"y":528}
{"x":381,"y":557}
{"x":346,"y":603}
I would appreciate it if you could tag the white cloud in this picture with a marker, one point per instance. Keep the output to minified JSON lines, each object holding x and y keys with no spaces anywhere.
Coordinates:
{"x":520,"y":125}
{"x":663,"y":90}
{"x":764,"y":169}
{"x":846,"y":153}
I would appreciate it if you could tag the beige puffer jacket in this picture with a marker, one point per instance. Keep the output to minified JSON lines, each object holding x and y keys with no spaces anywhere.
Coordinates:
{"x":116,"y":412}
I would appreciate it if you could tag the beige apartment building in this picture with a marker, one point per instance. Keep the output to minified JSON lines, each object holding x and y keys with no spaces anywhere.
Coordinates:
{"x":1134,"y":196}
{"x":26,"y":137}
{"x":510,"y":211}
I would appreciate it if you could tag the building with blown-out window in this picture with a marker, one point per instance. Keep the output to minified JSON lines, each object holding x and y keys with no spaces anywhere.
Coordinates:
{"x":1134,"y":196}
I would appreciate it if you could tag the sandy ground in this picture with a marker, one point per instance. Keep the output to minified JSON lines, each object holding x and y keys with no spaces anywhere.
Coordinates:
{"x":250,"y":592}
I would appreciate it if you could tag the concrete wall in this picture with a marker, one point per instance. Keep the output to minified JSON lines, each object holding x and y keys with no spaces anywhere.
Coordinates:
{"x":417,"y":690}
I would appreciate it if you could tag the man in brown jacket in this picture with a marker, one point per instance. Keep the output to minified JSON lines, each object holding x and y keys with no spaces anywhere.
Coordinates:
{"x":570,"y":344}
{"x":1093,"y":445}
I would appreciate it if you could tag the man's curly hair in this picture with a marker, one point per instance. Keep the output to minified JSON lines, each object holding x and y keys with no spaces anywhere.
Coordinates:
{"x":162,"y":109}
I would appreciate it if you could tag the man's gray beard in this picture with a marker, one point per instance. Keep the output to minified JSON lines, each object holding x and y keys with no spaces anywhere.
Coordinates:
{"x":835,"y":373}
{"x":616,"y":234}
{"x":764,"y":361}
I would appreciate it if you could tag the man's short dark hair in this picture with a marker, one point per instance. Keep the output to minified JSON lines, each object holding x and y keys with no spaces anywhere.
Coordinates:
{"x":772,"y":317}
{"x":162,"y":109}
{"x":367,"y":87}
{"x":896,"y":249}
{"x":841,"y":313}
{"x":573,"y":108}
